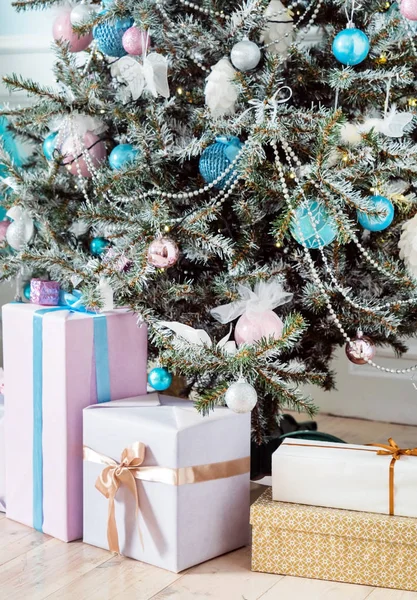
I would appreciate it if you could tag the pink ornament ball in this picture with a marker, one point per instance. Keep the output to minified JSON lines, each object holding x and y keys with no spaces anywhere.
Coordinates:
{"x":252,"y":326}
{"x":408,"y":9}
{"x":96,"y":150}
{"x":163,"y":253}
{"x":4,"y":225}
{"x":135,"y":41}
{"x":62,"y":30}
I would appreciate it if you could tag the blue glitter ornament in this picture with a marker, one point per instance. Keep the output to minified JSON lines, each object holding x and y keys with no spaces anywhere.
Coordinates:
{"x":49,"y":145}
{"x":98,"y":245}
{"x":160,"y":379}
{"x":109,"y":34}
{"x":380,"y":221}
{"x":217,"y":157}
{"x":351,"y":46}
{"x":121,"y":155}
{"x":26,"y":291}
{"x":325,"y":226}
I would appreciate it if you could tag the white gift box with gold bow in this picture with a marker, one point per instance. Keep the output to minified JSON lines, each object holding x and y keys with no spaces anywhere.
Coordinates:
{"x":378,"y":478}
{"x":163,"y":484}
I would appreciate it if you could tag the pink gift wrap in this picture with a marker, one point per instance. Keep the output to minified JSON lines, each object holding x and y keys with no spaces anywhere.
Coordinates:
{"x":69,"y":385}
{"x":181,"y":525}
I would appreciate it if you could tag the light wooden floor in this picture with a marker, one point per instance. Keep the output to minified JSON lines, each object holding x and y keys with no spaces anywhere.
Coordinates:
{"x":35,"y":567}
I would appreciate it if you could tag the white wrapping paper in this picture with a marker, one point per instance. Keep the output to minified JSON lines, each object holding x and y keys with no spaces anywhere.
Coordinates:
{"x":180,"y":525}
{"x":343,"y":476}
{"x":2,"y":462}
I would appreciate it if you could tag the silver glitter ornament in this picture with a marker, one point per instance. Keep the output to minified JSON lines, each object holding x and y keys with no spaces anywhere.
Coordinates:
{"x":245,"y":55}
{"x":241,"y":397}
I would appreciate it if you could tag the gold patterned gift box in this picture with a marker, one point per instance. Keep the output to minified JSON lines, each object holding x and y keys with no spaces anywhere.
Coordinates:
{"x":333,"y":544}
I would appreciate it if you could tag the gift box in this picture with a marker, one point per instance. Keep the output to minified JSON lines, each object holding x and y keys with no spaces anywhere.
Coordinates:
{"x":333,"y":544}
{"x":2,"y":459}
{"x":56,"y":363}
{"x":164,"y":484}
{"x":379,"y":478}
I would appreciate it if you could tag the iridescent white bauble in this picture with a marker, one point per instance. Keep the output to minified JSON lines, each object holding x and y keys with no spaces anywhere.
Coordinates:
{"x":21,"y":229}
{"x":241,"y":397}
{"x":81,"y":13}
{"x":408,"y":246}
{"x":245,"y":55}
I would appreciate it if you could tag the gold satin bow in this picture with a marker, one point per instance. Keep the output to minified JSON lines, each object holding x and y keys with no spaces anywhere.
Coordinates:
{"x":130,"y":468}
{"x":392,"y":449}
{"x":109,"y":481}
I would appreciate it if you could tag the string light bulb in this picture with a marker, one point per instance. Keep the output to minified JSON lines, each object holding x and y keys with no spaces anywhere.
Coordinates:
{"x":180,"y":91}
{"x":167,"y":228}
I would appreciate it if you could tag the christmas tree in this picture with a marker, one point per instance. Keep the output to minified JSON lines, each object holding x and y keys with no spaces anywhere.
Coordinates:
{"x":241,"y":188}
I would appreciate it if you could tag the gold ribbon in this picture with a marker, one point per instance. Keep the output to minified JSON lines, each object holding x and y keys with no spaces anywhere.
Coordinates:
{"x":392,"y":449}
{"x":130,"y":468}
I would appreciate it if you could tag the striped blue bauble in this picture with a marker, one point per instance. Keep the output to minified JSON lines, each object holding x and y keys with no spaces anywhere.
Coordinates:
{"x":217,"y":157}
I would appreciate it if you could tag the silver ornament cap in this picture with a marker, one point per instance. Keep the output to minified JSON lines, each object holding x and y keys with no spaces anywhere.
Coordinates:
{"x":241,"y":397}
{"x":245,"y":55}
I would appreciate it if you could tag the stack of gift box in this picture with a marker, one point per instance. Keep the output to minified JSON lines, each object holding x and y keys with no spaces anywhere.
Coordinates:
{"x":339,"y":512}
{"x":89,"y":454}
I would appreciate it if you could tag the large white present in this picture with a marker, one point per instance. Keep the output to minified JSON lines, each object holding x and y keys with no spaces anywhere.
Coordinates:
{"x":2,"y":461}
{"x":380,"y":478}
{"x":172,"y":485}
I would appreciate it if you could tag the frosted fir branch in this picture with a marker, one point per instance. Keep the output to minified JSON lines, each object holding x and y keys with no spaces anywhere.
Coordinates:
{"x":15,"y":82}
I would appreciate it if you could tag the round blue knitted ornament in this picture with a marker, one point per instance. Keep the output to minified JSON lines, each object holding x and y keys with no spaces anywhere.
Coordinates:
{"x":109,"y":34}
{"x":217,"y":157}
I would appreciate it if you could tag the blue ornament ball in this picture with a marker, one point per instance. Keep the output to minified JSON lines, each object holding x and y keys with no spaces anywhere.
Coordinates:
{"x":351,"y":46}
{"x":26,"y":291}
{"x":98,"y":246}
{"x":109,"y":34}
{"x":217,"y":157}
{"x":160,"y":379}
{"x":381,"y":221}
{"x":121,"y":155}
{"x":49,"y":145}
{"x":325,"y":226}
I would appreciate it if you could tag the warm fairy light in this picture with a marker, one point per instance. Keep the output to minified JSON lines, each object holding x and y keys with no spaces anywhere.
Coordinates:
{"x":179,"y":91}
{"x":292,"y":175}
{"x":382,"y":59}
{"x":102,"y":111}
{"x":372,"y":189}
{"x":278,"y":244}
{"x":387,"y":4}
{"x":345,"y":158}
{"x":412,"y":102}
{"x":167,"y":228}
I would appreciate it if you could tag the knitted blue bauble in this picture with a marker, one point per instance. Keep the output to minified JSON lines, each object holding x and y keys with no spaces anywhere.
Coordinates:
{"x":217,"y":157}
{"x":109,"y":34}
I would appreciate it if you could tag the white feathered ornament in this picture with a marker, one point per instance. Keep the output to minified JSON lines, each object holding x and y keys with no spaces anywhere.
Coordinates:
{"x":199,"y":337}
{"x":279,"y":29}
{"x":408,"y":245}
{"x":220,"y":92}
{"x":151,"y":75}
{"x":391,"y":125}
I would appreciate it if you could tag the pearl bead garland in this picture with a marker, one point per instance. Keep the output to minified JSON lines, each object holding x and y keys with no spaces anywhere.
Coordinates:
{"x":314,"y":272}
{"x":204,"y":11}
{"x":295,"y":26}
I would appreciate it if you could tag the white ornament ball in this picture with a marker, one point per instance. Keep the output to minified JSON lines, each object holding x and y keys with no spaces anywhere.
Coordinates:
{"x":408,"y":245}
{"x":17,"y":235}
{"x":245,"y":55}
{"x":349,"y":134}
{"x":81,"y":13}
{"x":241,"y":397}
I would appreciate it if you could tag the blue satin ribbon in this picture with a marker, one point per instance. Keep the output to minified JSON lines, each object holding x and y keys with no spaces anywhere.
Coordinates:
{"x":73,"y":303}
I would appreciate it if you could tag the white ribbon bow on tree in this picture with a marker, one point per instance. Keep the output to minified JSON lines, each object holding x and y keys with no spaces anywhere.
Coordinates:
{"x":199,"y":337}
{"x":266,"y":295}
{"x":268,"y":104}
{"x":151,"y":75}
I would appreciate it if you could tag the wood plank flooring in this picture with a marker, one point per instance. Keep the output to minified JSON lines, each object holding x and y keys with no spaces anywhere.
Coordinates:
{"x":34,"y":566}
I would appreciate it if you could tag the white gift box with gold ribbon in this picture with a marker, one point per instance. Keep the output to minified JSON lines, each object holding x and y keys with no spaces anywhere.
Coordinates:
{"x":163,"y":484}
{"x":378,"y":478}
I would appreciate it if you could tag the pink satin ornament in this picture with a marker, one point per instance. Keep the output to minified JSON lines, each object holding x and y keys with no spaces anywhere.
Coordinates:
{"x":408,"y":9}
{"x":163,"y":253}
{"x":252,"y":326}
{"x":4,"y":226}
{"x":96,"y":150}
{"x":62,"y":30}
{"x":135,"y":41}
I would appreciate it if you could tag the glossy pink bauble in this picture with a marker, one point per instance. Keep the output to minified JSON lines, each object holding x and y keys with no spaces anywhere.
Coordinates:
{"x":135,"y":41}
{"x":360,"y":350}
{"x":62,"y":30}
{"x":408,"y":9}
{"x":96,"y":150}
{"x":163,"y":253}
{"x":4,"y":225}
{"x":252,"y":326}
